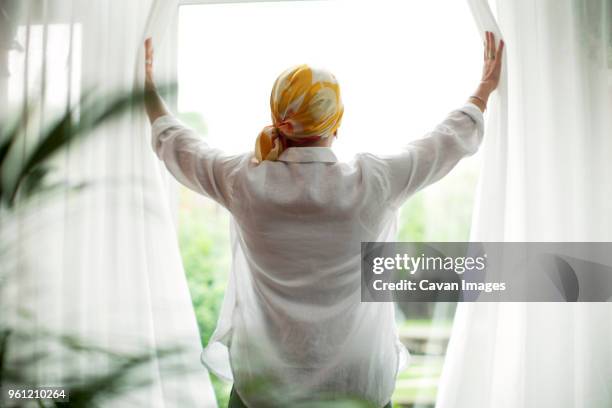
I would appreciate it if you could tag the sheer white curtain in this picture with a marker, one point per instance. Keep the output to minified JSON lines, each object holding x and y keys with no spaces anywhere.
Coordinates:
{"x":547,"y":176}
{"x":101,"y":262}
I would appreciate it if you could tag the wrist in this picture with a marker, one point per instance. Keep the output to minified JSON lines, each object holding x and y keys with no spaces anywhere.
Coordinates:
{"x":480,"y":97}
{"x":484,"y":90}
{"x":479,"y":102}
{"x":149,"y":82}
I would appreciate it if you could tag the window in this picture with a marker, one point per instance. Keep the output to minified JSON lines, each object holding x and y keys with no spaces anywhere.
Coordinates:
{"x":59,"y":46}
{"x":401,"y":66}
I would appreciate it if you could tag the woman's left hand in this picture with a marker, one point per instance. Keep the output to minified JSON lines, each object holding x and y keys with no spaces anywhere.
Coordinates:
{"x":149,"y":81}
{"x":154,"y":104}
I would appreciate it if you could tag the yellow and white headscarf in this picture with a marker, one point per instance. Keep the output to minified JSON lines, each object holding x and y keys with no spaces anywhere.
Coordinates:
{"x":306,"y":107}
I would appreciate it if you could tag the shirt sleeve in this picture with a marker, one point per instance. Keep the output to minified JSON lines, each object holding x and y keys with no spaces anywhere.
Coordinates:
{"x":427,"y":160}
{"x":192,"y":162}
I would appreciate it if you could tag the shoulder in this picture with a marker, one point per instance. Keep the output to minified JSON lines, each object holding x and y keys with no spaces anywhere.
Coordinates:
{"x":370,"y":162}
{"x":374,"y":169}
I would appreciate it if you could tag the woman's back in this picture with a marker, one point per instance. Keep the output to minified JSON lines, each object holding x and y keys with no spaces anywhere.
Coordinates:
{"x":298,"y":322}
{"x":307,"y":205}
{"x":292,"y":323}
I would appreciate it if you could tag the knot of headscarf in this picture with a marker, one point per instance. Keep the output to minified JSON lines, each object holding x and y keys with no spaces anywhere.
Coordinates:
{"x":306,"y":107}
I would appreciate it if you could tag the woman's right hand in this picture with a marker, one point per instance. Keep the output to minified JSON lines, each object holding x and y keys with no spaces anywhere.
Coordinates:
{"x":493,"y":54}
{"x":491,"y":71}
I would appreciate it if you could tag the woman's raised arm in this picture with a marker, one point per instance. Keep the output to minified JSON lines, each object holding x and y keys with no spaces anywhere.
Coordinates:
{"x":187,"y":156}
{"x":459,"y":135}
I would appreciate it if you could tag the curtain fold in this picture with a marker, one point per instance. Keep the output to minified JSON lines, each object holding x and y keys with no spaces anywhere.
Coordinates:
{"x":546,"y":177}
{"x":99,"y":262}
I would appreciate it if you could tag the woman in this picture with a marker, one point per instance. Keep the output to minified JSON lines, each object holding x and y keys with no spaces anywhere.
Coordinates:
{"x":292,"y":324}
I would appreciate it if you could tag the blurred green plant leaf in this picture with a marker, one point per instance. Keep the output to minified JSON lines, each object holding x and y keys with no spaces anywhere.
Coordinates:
{"x":23,"y":177}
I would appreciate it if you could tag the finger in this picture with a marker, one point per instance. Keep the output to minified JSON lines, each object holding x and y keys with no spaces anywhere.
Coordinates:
{"x":492,"y":46}
{"x":485,"y":45}
{"x":484,"y":50}
{"x":500,"y":52}
{"x":148,"y":49}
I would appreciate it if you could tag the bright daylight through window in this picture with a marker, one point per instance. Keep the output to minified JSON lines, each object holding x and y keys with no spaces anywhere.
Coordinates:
{"x":393,"y":69}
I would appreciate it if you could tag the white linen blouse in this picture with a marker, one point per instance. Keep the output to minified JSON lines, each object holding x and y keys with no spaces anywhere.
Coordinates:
{"x":292,"y":326}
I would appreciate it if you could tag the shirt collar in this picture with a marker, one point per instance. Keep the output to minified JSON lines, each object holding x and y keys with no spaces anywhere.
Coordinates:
{"x":308,"y":154}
